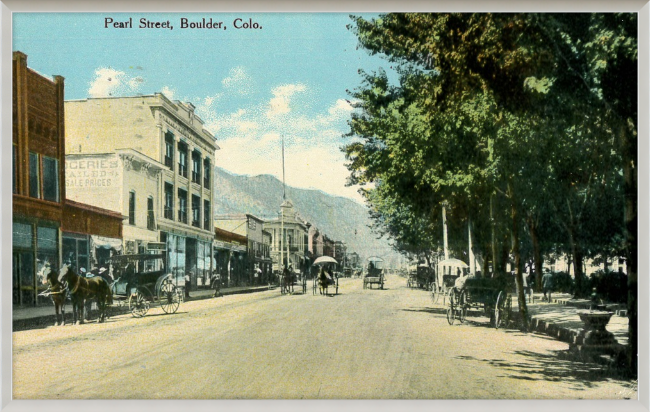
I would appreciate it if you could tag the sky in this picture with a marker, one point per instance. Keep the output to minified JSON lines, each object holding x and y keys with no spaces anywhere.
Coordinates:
{"x":252,"y":86}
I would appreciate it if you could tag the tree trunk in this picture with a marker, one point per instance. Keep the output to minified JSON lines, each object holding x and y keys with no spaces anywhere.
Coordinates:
{"x":629,"y":154}
{"x":505,"y":255}
{"x":494,"y":236}
{"x":521,"y":296}
{"x":576,"y":251}
{"x":486,"y":262}
{"x":537,"y":255}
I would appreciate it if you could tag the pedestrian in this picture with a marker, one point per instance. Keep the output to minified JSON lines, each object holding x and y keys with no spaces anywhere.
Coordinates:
{"x":216,"y":284}
{"x":187,"y":285}
{"x":547,"y":285}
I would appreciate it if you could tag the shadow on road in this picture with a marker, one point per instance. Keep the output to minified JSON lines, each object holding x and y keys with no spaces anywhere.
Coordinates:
{"x":437,"y":311}
{"x":554,"y":367}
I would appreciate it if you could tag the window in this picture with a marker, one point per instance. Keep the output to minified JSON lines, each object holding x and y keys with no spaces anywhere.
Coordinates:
{"x":182,"y":206}
{"x":206,"y":173}
{"x":196,"y":167}
{"x":34,"y":176}
{"x":50,"y":179}
{"x":169,"y":201}
{"x":169,"y":150}
{"x":132,"y":208}
{"x":151,"y":221}
{"x":206,"y":214}
{"x":196,"y":211}
{"x":182,"y":159}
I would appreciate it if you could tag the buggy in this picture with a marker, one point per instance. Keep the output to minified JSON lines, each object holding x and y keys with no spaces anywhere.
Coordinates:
{"x":141,"y":280}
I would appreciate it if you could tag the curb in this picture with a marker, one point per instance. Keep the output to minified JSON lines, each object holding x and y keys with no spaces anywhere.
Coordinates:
{"x":117,"y":309}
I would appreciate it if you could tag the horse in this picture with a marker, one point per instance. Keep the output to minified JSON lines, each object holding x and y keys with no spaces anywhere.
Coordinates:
{"x":58,"y":292}
{"x":324,"y":281}
{"x":81,"y":288}
{"x":288,"y":279}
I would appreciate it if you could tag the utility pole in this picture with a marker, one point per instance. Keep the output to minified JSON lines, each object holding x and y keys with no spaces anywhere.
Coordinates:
{"x":444,"y":228}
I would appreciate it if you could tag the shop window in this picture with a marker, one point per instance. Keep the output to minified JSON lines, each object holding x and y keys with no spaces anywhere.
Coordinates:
{"x":206,"y":214}
{"x":196,"y":167}
{"x":132,"y":208}
{"x":50,"y":179}
{"x":169,"y":201}
{"x":196,"y":211}
{"x":34,"y":176}
{"x":182,"y":206}
{"x":151,"y":221}
{"x":75,"y":253}
{"x":169,"y":150}
{"x":182,"y":159}
{"x":206,"y":173}
{"x":47,"y":253}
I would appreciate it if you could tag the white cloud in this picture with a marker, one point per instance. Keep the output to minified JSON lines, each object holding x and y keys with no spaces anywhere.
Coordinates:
{"x":238,"y":81}
{"x":342,"y":107}
{"x":250,"y":137}
{"x":111,"y":82}
{"x":279,"y":104}
{"x":320,"y":166}
{"x":168,"y":92}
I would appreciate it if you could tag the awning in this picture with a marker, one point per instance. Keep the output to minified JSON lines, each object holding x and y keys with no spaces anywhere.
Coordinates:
{"x":105,"y":242}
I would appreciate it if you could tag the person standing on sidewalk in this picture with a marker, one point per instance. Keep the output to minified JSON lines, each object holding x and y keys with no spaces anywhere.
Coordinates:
{"x":547,"y":284}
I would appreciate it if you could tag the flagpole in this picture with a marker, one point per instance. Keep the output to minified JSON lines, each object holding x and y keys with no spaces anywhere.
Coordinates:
{"x":284,"y":196}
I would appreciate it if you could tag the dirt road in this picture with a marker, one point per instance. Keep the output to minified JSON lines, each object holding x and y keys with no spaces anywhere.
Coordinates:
{"x":360,"y":344}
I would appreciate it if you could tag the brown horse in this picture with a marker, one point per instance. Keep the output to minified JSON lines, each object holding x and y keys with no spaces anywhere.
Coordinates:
{"x":81,"y":289}
{"x":58,"y":292}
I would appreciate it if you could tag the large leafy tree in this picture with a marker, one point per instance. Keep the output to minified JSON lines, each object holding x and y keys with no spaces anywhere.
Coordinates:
{"x":537,"y":110}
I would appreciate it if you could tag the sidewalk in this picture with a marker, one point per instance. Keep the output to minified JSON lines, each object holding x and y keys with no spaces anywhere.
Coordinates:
{"x":41,"y":315}
{"x":560,"y":320}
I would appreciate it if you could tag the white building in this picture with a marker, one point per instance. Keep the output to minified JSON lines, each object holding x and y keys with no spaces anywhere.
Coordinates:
{"x":171,"y":156}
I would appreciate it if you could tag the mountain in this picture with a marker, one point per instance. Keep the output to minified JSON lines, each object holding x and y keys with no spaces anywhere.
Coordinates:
{"x":339,"y":218}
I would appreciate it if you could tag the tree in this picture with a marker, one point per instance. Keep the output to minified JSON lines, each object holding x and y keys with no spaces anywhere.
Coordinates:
{"x":533,"y":111}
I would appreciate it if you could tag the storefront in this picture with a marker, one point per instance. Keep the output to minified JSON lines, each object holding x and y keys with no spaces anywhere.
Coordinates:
{"x":188,"y":256}
{"x":35,"y":247}
{"x":231,"y":259}
{"x":91,"y":235}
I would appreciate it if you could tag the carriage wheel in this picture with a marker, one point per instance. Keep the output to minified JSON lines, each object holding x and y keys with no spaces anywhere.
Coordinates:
{"x":138,"y":305}
{"x":462,"y":306}
{"x":168,"y":297}
{"x":435,"y":294}
{"x":451,"y":307}
{"x":500,"y":310}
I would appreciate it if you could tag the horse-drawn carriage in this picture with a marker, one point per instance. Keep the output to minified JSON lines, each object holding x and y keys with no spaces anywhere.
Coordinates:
{"x":448,"y":271}
{"x":421,"y":276}
{"x":325,"y":279}
{"x":487,"y":295}
{"x":375,"y":274}
{"x":141,"y":280}
{"x":290,"y":279}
